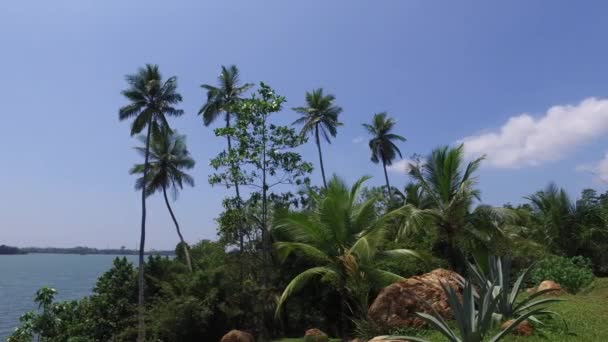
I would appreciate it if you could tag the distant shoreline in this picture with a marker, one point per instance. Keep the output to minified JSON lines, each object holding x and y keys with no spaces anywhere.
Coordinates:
{"x":9,"y":250}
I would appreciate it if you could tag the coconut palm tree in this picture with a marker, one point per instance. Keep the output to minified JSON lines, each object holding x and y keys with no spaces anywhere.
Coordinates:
{"x":219,"y":100}
{"x":449,"y":189}
{"x":341,"y":236}
{"x":151,"y":100}
{"x":319,"y":117}
{"x":169,"y":156}
{"x":382,"y":144}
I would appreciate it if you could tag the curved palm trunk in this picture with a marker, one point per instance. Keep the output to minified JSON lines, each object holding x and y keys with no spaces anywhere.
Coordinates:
{"x":179,"y":233}
{"x":141,"y":327}
{"x":388,"y":184}
{"x":320,"y":155}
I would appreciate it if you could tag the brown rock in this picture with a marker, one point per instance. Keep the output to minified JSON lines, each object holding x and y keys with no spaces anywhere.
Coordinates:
{"x":237,"y":336}
{"x":315,"y":335}
{"x":396,"y":305}
{"x":550,"y":285}
{"x":524,"y":328}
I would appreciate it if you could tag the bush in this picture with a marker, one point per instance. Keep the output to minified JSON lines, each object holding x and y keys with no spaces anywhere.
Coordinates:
{"x":572,"y":274}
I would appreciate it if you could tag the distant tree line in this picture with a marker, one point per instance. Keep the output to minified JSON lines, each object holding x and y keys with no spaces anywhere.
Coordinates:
{"x":84,"y":250}
{"x":9,"y":250}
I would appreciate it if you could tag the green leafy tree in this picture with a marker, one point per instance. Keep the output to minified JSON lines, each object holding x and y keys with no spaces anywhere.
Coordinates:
{"x":150,"y":100}
{"x":263,"y":160}
{"x":382,"y":144}
{"x":341,"y":236}
{"x":169,"y":157}
{"x":319,"y":117}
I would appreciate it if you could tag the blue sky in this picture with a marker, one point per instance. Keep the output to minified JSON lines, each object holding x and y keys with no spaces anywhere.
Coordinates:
{"x":447,"y":71}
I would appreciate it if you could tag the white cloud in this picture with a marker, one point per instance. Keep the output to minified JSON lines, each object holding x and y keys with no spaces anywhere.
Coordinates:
{"x":599,"y":169}
{"x":400,"y":167}
{"x":359,"y":139}
{"x":528,"y":141}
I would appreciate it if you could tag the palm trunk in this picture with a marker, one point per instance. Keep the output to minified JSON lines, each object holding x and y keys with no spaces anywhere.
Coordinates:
{"x":388,"y":184}
{"x":320,"y":154}
{"x":141,"y":327}
{"x":179,"y":233}
{"x":343,"y":320}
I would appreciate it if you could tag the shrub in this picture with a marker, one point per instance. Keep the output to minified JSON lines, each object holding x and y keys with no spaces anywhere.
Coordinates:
{"x":572,"y":274}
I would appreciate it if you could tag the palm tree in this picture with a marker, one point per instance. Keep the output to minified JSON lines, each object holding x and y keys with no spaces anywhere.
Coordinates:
{"x":566,"y":227}
{"x":449,"y":189}
{"x":168,"y":157}
{"x":151,"y":100}
{"x":320,"y":112}
{"x":382,"y":143}
{"x":219,"y":100}
{"x":342,"y":237}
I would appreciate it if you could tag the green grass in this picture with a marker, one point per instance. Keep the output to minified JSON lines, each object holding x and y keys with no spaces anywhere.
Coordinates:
{"x":586,"y":314}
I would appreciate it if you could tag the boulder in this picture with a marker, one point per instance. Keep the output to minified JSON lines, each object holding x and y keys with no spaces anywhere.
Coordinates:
{"x":550,"y":285}
{"x":315,"y":335}
{"x":237,"y":336}
{"x":522,"y":329}
{"x":396,"y":304}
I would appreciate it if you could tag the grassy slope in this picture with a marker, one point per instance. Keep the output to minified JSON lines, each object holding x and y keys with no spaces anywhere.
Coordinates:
{"x":586,"y":314}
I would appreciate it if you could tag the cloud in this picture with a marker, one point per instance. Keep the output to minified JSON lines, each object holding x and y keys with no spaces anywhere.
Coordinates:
{"x":528,"y":141}
{"x":400,"y":167}
{"x":358,"y":139}
{"x":599,"y":169}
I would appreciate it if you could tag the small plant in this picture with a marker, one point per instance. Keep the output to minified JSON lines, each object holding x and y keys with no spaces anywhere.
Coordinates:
{"x":497,"y":280}
{"x":573,"y":274}
{"x":473,"y":315}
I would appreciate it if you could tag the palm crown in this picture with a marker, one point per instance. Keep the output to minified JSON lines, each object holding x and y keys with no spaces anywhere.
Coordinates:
{"x":319,"y":111}
{"x":382,"y":143}
{"x":342,"y":236}
{"x":221,"y":97}
{"x":169,"y":156}
{"x":151,"y":99}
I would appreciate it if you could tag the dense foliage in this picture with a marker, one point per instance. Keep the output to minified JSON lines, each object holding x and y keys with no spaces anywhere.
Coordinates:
{"x":573,"y":274}
{"x":292,"y":255}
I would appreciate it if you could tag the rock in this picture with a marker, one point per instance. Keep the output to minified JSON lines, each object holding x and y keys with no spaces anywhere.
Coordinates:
{"x":396,"y":305}
{"x":550,"y":285}
{"x":522,"y":329}
{"x":315,"y":335}
{"x":237,"y":336}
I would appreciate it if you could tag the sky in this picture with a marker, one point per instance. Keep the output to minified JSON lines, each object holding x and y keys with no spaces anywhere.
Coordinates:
{"x":523,"y":82}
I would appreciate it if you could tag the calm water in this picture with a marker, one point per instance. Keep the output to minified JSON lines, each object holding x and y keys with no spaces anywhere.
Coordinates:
{"x":73,"y":276}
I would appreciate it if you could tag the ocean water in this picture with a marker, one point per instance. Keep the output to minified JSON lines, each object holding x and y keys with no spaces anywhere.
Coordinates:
{"x":72,"y":275}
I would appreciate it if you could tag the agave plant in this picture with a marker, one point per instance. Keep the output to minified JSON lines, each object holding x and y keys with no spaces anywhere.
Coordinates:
{"x":497,"y":281}
{"x":473,"y":315}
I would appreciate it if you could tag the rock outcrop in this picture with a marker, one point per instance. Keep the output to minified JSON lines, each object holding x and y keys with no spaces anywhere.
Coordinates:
{"x":397,"y":304}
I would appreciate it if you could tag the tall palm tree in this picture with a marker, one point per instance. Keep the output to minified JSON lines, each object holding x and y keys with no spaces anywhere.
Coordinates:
{"x":169,"y":156}
{"x":319,"y":117}
{"x":151,"y":100}
{"x":382,"y":143}
{"x":219,"y":100}
{"x":449,"y":189}
{"x":341,"y":236}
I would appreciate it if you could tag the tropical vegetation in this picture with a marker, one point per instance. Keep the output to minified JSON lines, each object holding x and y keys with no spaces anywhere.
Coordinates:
{"x":292,"y":254}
